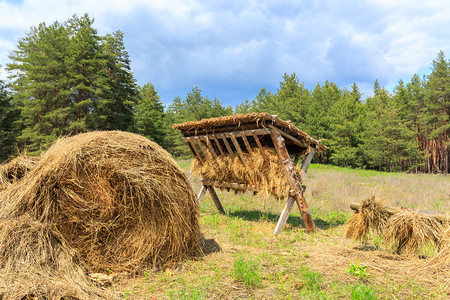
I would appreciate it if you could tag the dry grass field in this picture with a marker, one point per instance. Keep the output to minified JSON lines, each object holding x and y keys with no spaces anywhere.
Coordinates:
{"x":243,"y":260}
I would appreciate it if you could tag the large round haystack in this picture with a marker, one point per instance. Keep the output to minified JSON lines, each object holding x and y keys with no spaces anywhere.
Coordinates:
{"x":117,"y":199}
{"x":15,"y":169}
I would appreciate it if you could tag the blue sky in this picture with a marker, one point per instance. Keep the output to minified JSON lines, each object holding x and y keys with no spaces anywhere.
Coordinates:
{"x":231,"y":49}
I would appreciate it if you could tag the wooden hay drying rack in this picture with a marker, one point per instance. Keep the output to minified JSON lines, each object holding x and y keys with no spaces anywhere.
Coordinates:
{"x":233,"y":135}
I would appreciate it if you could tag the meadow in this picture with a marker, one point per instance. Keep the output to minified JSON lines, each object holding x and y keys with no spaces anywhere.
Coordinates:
{"x":244,"y":260}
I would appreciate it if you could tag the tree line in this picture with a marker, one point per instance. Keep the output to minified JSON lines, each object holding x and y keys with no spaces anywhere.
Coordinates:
{"x":65,"y":78}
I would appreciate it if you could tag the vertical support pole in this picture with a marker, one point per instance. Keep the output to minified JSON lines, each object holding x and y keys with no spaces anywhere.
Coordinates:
{"x":216,"y":200}
{"x":201,"y":194}
{"x":293,"y":181}
{"x":284,"y":216}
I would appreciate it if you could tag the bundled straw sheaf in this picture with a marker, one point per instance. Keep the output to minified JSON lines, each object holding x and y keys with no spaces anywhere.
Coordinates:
{"x":110,"y":200}
{"x":441,"y":262}
{"x":15,"y":169}
{"x":409,"y":230}
{"x":268,"y":176}
{"x":371,"y":217}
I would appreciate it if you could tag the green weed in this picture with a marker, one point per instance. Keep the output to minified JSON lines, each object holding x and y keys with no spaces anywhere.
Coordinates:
{"x":246,"y":271}
{"x":358,"y":270}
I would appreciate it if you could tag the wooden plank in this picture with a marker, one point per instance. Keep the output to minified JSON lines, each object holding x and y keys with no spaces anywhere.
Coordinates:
{"x":230,"y":151}
{"x":210,"y":147}
{"x":201,"y":194}
{"x":239,"y":186}
{"x":214,"y":138}
{"x":307,"y":161}
{"x":197,"y":154}
{"x":238,"y":149}
{"x":259,"y":131}
{"x":284,"y":216}
{"x":261,"y":149}
{"x":216,"y":200}
{"x":287,"y":135}
{"x":247,"y":145}
{"x":291,"y":177}
{"x":202,"y":148}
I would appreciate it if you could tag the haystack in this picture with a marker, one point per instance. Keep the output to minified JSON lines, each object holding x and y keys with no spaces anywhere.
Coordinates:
{"x":118,"y":200}
{"x":410,"y":230}
{"x":267,"y":175}
{"x":36,"y":263}
{"x":371,"y":217}
{"x":15,"y":169}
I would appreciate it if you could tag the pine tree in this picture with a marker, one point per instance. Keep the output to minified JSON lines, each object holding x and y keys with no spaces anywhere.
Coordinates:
{"x":8,"y":116}
{"x":149,"y":118}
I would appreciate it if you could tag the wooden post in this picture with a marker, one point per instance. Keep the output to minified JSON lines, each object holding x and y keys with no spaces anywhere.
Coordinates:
{"x":284,"y":216}
{"x":261,"y":149}
{"x":293,"y":181}
{"x":307,"y":161}
{"x":216,"y":200}
{"x":201,"y":194}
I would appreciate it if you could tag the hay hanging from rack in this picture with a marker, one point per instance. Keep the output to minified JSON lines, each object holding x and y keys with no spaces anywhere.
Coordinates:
{"x":268,"y":176}
{"x":372,"y":217}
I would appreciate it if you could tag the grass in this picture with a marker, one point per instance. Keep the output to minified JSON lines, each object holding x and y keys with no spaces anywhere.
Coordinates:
{"x":245,"y":261}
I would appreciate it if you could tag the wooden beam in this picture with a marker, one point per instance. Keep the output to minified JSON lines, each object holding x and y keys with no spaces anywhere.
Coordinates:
{"x":210,"y":147}
{"x":235,"y":186}
{"x":287,"y":135}
{"x":192,"y":145}
{"x":307,"y":161}
{"x":247,"y":145}
{"x":284,"y":216}
{"x":213,"y":137}
{"x":216,"y":199}
{"x":238,"y":149}
{"x":224,"y":138}
{"x":296,"y":159}
{"x":201,"y":194}
{"x":261,"y":149}
{"x":291,"y":177}
{"x":202,"y":148}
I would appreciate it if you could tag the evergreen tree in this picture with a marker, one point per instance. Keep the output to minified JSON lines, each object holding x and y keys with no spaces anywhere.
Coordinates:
{"x":67,"y":80}
{"x":8,"y":116}
{"x":149,"y":118}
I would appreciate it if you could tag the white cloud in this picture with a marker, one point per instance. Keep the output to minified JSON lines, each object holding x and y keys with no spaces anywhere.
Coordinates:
{"x":249,"y":44}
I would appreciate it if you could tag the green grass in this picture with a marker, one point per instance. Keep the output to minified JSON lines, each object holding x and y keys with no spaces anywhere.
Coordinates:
{"x":250,"y":263}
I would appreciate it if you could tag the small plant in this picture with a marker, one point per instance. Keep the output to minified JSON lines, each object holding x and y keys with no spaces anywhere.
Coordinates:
{"x":363,"y":292}
{"x":246,"y":271}
{"x":337,"y":217}
{"x":358,"y":270}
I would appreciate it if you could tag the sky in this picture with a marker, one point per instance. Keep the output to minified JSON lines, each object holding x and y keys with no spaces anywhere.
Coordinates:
{"x":230,"y":49}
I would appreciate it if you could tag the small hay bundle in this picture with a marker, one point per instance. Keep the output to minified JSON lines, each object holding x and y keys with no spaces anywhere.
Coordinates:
{"x":372,"y":217}
{"x":268,"y":175}
{"x":15,"y":169}
{"x":35,"y":263}
{"x":409,"y":230}
{"x":119,"y":201}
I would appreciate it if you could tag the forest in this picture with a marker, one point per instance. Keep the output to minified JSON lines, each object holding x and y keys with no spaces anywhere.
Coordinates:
{"x":65,"y":78}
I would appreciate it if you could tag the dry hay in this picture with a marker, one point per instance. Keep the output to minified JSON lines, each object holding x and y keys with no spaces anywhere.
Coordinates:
{"x":15,"y":169}
{"x":372,"y":217}
{"x":37,"y":264}
{"x":268,"y":176}
{"x":441,"y":262}
{"x":409,"y":231}
{"x":115,"y":199}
